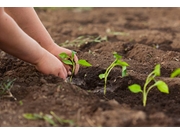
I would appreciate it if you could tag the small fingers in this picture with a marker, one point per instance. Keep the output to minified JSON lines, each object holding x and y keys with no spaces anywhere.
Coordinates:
{"x":62,"y":73}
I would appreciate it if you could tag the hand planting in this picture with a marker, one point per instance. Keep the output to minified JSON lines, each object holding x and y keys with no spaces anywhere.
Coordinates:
{"x":69,"y":60}
{"x":116,"y":62}
{"x":161,"y":85}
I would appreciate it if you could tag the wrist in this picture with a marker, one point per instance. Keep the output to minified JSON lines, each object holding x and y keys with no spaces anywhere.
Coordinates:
{"x":56,"y":50}
{"x":42,"y":53}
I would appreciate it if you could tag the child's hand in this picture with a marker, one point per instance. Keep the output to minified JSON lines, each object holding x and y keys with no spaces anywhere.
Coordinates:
{"x":31,"y":42}
{"x":49,"y":64}
{"x":57,"y":50}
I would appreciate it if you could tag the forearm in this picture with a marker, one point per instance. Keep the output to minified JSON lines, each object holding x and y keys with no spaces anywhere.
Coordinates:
{"x":16,"y":42}
{"x":30,"y":23}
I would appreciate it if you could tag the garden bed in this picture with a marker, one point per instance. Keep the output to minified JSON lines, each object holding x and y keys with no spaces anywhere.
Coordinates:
{"x":144,"y":37}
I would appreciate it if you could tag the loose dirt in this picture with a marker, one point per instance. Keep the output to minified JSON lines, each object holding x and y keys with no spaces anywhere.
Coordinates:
{"x":144,"y":37}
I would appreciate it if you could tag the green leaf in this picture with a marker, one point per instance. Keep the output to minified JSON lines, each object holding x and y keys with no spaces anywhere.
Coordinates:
{"x":162,"y":86}
{"x":84,"y":63}
{"x":124,"y":71}
{"x":98,"y":39}
{"x":31,"y":116}
{"x":121,"y":63}
{"x":135,"y":88}
{"x":157,"y":70}
{"x":175,"y":73}
{"x":101,"y":76}
{"x":117,"y":56}
{"x":68,"y":62}
{"x":63,"y":55}
{"x":104,"y":38}
{"x":73,"y":53}
{"x":49,"y":119}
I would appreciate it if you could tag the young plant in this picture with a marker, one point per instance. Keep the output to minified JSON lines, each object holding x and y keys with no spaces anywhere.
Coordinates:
{"x":82,"y":40}
{"x":34,"y":116}
{"x":50,"y":118}
{"x":69,"y":60}
{"x":116,"y":62}
{"x":5,"y":89}
{"x":161,"y":85}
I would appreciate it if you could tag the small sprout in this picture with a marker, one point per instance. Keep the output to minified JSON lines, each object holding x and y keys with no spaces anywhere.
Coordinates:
{"x":116,"y":62}
{"x":5,"y":89}
{"x":82,"y":40}
{"x":175,"y":73}
{"x":35,"y":116}
{"x":69,"y":60}
{"x":50,"y":118}
{"x":161,"y":85}
{"x":20,"y":102}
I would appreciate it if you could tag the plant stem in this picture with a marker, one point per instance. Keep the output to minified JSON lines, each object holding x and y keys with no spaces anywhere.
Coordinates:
{"x":144,"y":98}
{"x":106,"y":75}
{"x":73,"y":70}
{"x":73,"y":67}
{"x":106,"y":78}
{"x":148,"y":80}
{"x":145,"y":93}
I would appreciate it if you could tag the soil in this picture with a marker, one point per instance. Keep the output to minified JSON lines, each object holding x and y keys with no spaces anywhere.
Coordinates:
{"x":144,"y":37}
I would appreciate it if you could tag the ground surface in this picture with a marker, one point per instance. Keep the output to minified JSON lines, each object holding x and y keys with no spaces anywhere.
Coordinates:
{"x":143,"y":36}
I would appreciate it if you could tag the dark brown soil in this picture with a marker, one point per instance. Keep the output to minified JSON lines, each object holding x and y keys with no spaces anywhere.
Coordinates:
{"x":144,"y":37}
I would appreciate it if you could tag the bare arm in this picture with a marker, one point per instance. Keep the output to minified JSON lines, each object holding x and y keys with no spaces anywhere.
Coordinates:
{"x":29,"y":22}
{"x":16,"y":42}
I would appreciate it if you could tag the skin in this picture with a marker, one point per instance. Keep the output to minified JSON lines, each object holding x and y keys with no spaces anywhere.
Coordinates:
{"x":23,"y":35}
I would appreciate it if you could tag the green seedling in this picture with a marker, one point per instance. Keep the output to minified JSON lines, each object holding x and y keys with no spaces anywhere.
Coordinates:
{"x":161,"y":85}
{"x":175,"y":73}
{"x":20,"y":102}
{"x":116,"y":62}
{"x":50,"y":118}
{"x":82,"y":40}
{"x":69,"y":60}
{"x":5,"y":89}
{"x":34,"y":116}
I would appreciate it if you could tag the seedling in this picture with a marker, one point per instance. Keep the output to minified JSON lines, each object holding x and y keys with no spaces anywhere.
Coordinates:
{"x":50,"y":118}
{"x":5,"y":89}
{"x":34,"y":116}
{"x":20,"y":102}
{"x":175,"y":73}
{"x":69,"y":60}
{"x":116,"y":62}
{"x":82,"y":40}
{"x":161,"y":85}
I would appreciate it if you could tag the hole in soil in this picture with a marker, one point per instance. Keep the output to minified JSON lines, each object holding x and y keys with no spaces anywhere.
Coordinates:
{"x":88,"y":79}
{"x":117,"y":87}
